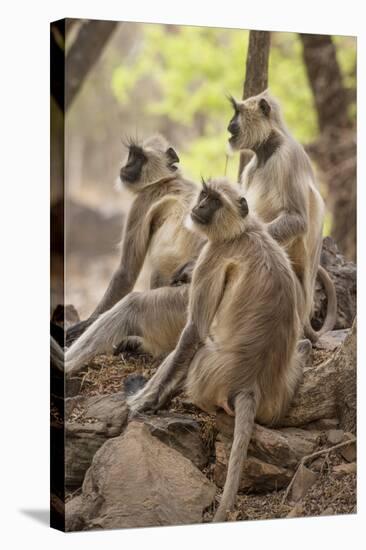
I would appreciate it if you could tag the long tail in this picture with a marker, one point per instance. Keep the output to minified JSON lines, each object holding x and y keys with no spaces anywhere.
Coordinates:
{"x":103,"y":336}
{"x":245,"y":411}
{"x":331,"y":315}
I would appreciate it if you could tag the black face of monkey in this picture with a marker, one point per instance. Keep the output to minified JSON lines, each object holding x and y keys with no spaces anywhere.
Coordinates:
{"x":250,"y":126}
{"x":131,"y":172}
{"x":209,"y":202}
{"x":234,"y":125}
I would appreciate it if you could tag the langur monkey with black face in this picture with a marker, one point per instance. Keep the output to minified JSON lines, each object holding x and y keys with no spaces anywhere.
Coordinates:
{"x":154,"y":234}
{"x":280,"y":187}
{"x":238,"y":350}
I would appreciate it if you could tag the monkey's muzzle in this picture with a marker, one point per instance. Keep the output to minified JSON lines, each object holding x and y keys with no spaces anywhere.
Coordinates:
{"x":198,"y":218}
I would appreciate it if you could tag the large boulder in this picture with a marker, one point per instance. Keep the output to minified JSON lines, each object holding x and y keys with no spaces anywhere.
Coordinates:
{"x":102,"y":417}
{"x":135,"y":480}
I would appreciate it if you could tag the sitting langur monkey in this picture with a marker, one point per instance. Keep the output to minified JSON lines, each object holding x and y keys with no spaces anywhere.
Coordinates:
{"x":280,"y":187}
{"x":154,"y":234}
{"x":238,"y":350}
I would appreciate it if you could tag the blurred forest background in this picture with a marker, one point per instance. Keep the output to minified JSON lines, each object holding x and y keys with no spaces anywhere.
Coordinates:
{"x":127,"y":79}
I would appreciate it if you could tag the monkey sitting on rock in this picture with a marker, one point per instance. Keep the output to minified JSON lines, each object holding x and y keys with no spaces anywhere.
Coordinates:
{"x":279,"y":185}
{"x":238,"y":350}
{"x":154,"y":234}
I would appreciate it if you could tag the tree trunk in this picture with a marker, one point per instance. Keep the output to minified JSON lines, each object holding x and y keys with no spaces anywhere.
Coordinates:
{"x":325,"y":80}
{"x":256,"y":75}
{"x":88,"y":45}
{"x":335,"y":152}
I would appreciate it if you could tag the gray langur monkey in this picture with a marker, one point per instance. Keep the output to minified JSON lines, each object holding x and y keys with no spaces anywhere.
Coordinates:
{"x":154,"y":234}
{"x":238,"y":350}
{"x":279,"y":185}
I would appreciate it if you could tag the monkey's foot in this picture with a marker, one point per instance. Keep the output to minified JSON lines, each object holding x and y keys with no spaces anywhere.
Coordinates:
{"x":133,"y":383}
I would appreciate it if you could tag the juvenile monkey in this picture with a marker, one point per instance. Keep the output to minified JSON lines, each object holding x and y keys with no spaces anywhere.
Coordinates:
{"x":280,"y":187}
{"x":238,"y":350}
{"x":154,"y":232}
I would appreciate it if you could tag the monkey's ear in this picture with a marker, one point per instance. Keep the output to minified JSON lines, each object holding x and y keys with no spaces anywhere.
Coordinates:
{"x":264,"y":106}
{"x":243,"y":207}
{"x":172,"y":156}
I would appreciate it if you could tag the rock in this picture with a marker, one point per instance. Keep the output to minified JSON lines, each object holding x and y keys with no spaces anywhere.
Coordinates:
{"x":330,"y":341}
{"x":349,"y":452}
{"x":323,"y":424}
{"x":81,"y":443}
{"x":109,"y":409}
{"x":103,"y":417}
{"x":329,"y":511}
{"x":282,"y":447}
{"x":343,"y":274}
{"x":135,"y":480}
{"x":335,"y":436}
{"x":182,"y":433}
{"x":317,"y":464}
{"x":296,"y":511}
{"x":304,"y":479}
{"x":345,"y":468}
{"x":74,"y":520}
{"x":257,"y":476}
{"x":73,"y":402}
{"x":72,"y":386}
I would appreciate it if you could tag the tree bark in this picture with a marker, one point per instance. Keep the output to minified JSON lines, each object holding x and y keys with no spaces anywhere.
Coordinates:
{"x":325,"y":80}
{"x":256,"y":75}
{"x":88,"y":45}
{"x":335,"y":152}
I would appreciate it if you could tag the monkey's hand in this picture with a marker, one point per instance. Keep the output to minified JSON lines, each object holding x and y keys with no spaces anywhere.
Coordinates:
{"x":77,"y":330}
{"x":183,"y":275}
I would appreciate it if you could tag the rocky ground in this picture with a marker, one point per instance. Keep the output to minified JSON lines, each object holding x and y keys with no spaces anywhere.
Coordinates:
{"x":331,"y":490}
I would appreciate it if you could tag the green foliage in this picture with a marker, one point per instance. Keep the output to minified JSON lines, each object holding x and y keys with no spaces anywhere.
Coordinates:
{"x":186,"y":73}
